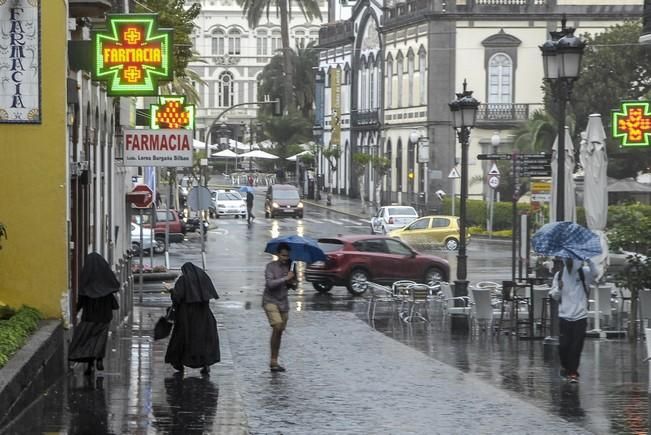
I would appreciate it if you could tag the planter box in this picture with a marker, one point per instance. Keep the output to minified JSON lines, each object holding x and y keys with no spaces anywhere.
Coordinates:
{"x":31,"y":370}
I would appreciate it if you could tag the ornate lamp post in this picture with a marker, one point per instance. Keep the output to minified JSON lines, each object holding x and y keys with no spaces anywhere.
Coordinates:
{"x":464,"y":115}
{"x":562,"y":56}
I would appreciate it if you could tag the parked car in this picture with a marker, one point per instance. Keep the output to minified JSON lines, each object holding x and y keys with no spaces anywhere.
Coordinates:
{"x":148,"y":242}
{"x":391,"y":218}
{"x":431,"y":230}
{"x":283,"y":200}
{"x":353,"y":260}
{"x":228,"y":203}
{"x":177,"y":228}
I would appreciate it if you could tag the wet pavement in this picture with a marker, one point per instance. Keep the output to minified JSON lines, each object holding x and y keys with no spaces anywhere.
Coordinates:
{"x":345,"y":374}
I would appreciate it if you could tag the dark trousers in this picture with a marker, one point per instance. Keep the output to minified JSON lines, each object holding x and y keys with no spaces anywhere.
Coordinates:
{"x":570,"y":346}
{"x":249,"y":212}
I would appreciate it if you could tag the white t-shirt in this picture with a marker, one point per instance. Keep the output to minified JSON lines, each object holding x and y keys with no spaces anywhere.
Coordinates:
{"x":572,"y":296}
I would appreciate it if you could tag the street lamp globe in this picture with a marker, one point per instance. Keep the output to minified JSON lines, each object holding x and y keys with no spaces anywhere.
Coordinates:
{"x":414,"y":136}
{"x":569,"y":50}
{"x":496,"y":139}
{"x":550,"y":60}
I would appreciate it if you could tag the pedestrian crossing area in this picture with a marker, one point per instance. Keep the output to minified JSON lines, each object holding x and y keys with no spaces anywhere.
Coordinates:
{"x":338,"y":221}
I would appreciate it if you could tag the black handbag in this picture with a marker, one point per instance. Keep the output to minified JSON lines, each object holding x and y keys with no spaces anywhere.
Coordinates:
{"x":164,"y":324}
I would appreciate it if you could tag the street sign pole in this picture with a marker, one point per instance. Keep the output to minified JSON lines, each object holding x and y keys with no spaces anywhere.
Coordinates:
{"x":140,"y":279}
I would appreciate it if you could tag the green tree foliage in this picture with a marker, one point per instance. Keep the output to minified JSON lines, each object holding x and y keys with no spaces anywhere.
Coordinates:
{"x":174,"y":15}
{"x":273,"y":80}
{"x":254,"y":10}
{"x":615,"y":68}
{"x":631,"y":232}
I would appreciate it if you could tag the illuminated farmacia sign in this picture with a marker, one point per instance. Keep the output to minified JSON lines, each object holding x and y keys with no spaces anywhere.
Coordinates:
{"x":171,"y":112}
{"x":132,"y":54}
{"x":632,"y":124}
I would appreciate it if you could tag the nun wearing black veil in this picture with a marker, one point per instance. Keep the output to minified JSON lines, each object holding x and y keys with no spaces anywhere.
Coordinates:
{"x":194,"y":342}
{"x":96,"y":302}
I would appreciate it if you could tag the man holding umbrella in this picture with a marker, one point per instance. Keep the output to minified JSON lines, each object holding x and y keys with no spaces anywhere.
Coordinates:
{"x":278,"y":280}
{"x":570,"y":244}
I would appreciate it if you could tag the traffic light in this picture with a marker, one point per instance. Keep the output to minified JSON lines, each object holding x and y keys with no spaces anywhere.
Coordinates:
{"x":410,"y":175}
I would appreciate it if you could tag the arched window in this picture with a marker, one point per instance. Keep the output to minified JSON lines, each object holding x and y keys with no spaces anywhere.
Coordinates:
{"x":218,"y":37}
{"x":422,"y":71}
{"x":299,"y":38}
{"x":400,"y":73}
{"x":225,"y":91}
{"x":234,"y":42}
{"x":262,"y":43}
{"x":410,"y":78}
{"x":346,"y":74}
{"x":314,"y":36}
{"x":275,"y":41}
{"x":389,"y":84}
{"x":500,"y":79}
{"x":371,"y":83}
{"x":362,"y":84}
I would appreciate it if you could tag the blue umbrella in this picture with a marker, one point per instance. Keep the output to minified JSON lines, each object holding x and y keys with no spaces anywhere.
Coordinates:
{"x":300,"y":248}
{"x":247,"y":189}
{"x":566,"y":240}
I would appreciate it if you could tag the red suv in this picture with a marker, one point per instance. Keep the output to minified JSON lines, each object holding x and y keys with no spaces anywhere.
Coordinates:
{"x":177,"y":226}
{"x":353,"y":260}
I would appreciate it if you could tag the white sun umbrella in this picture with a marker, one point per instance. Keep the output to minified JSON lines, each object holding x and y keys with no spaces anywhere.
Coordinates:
{"x":199,"y":145}
{"x":295,"y":156}
{"x":226,"y":153}
{"x":236,"y":145}
{"x":569,"y":190}
{"x":595,"y":192}
{"x":258,"y":154}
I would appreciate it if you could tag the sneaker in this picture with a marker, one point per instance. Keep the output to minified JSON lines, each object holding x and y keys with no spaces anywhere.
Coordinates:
{"x":574,"y":378}
{"x":277,"y":368}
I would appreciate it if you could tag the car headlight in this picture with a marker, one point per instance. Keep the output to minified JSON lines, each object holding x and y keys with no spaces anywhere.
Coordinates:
{"x":275,"y":205}
{"x":300,"y":205}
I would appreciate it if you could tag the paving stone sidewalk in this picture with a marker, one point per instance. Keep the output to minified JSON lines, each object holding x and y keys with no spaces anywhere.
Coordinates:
{"x":344,"y":377}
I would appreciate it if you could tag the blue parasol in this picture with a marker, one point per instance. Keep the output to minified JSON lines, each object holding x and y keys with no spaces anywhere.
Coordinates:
{"x":566,"y":240}
{"x":300,"y":248}
{"x":247,"y":189}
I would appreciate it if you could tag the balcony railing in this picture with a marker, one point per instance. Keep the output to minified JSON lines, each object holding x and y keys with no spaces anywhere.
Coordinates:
{"x":503,"y":113}
{"x":368,"y":118}
{"x":479,"y":6}
{"x":340,"y":31}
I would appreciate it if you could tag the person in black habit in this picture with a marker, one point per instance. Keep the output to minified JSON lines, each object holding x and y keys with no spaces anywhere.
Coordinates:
{"x":96,"y":301}
{"x":195,"y":341}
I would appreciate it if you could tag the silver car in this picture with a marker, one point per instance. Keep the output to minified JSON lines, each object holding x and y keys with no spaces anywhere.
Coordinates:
{"x":392,"y":217}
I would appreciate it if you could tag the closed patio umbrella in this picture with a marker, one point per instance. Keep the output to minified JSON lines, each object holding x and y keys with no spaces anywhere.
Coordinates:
{"x":595,"y":196}
{"x":570,"y":201}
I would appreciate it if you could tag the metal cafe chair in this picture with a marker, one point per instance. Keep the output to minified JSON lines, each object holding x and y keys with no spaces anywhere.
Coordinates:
{"x":378,"y":293}
{"x":449,"y":299}
{"x":418,"y":298}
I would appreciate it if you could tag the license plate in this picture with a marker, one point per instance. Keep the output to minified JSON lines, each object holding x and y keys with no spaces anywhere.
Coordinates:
{"x":233,"y":211}
{"x":288,"y":211}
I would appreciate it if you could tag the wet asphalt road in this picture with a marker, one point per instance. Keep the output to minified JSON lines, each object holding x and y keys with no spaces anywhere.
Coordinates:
{"x":344,"y":376}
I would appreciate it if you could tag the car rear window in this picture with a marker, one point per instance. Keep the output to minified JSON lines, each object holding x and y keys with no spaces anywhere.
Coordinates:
{"x":330,"y":245}
{"x":404,"y":211}
{"x":371,"y":245}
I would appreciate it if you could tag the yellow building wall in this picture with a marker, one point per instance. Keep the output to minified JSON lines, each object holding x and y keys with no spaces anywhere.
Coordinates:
{"x":33,"y":185}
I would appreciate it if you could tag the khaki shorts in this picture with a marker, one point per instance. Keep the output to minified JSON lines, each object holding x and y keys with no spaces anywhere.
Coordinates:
{"x":277,"y":319}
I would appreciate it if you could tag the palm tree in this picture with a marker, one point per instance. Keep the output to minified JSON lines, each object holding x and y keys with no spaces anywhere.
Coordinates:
{"x":254,"y":9}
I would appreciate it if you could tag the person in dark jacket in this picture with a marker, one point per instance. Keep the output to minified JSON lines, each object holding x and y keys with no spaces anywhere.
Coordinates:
{"x":96,"y":301}
{"x":195,"y":341}
{"x":249,"y":206}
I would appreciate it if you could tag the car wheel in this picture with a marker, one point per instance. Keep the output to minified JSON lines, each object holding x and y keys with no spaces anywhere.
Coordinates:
{"x":322,"y":287}
{"x":135,"y":246}
{"x":433,"y":276}
{"x":159,"y":248}
{"x":217,"y":216}
{"x":452,"y":244}
{"x":357,"y":281}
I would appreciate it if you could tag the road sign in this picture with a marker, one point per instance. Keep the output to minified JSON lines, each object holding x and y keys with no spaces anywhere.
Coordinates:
{"x":454,"y":173}
{"x":141,"y":196}
{"x":547,"y":157}
{"x":541,"y":187}
{"x":541,"y":197}
{"x":532,"y":173}
{"x":493,"y":170}
{"x":493,"y":181}
{"x":199,"y":198}
{"x":494,"y":156}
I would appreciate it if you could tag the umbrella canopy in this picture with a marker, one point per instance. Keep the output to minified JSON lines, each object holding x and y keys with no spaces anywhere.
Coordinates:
{"x":258,"y":154}
{"x":198,"y":145}
{"x":567,"y":240}
{"x":595,"y":162}
{"x":247,"y":189}
{"x":226,"y":153}
{"x":232,"y":143}
{"x":295,"y":156}
{"x":570,"y":187}
{"x":300,"y":248}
